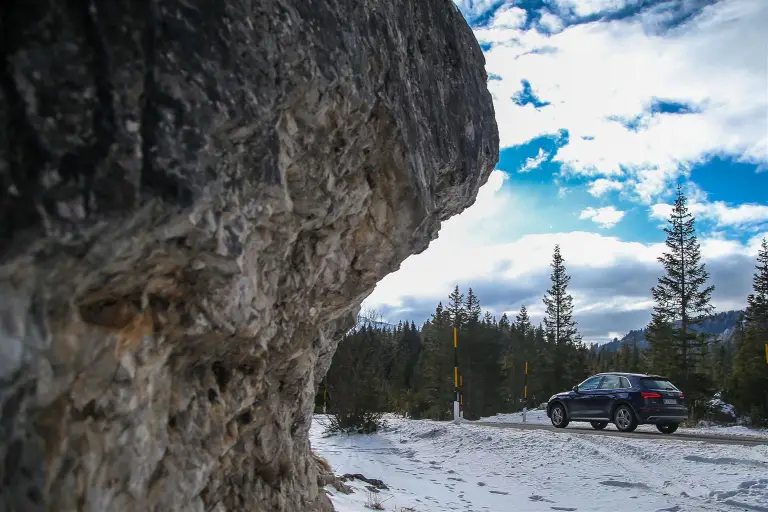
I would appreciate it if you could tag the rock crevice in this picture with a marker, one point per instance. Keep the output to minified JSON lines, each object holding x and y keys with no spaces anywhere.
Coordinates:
{"x":195,"y":199}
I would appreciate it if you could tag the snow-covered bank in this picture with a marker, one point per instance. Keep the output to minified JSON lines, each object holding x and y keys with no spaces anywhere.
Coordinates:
{"x":437,"y":467}
{"x":539,"y":417}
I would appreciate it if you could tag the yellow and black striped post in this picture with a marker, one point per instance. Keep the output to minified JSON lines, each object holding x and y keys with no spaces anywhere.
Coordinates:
{"x":525,"y":384}
{"x":457,"y":401}
{"x":766,"y":352}
{"x":525,"y":392}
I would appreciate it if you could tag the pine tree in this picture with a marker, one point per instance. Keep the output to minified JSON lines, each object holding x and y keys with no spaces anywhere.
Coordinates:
{"x":681,"y":300}
{"x":559,"y":324}
{"x":439,"y":315}
{"x":523,"y":321}
{"x":504,"y":322}
{"x":471,"y":308}
{"x":456,"y":308}
{"x":756,"y":314}
{"x":750,"y":365}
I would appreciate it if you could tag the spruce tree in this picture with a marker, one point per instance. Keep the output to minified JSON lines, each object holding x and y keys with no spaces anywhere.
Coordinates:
{"x":750,"y":365}
{"x":559,"y":324}
{"x":471,"y":308}
{"x":681,"y":299}
{"x":756,"y":314}
{"x":523,"y":321}
{"x":456,"y":308}
{"x":504,"y":323}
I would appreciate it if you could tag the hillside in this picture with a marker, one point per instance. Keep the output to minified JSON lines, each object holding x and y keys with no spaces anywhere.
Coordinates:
{"x":719,"y":324}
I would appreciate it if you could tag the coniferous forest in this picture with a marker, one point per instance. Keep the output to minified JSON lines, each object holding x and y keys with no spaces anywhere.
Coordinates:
{"x":408,"y":369}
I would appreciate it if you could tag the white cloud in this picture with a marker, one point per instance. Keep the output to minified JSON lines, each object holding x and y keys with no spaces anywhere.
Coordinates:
{"x":740,"y":215}
{"x":720,"y":213}
{"x":492,"y":202}
{"x":606,"y":217}
{"x":587,"y":7}
{"x":660,"y":211}
{"x":601,"y":186}
{"x":447,"y":261}
{"x":470,"y":250}
{"x":550,"y":22}
{"x":592,"y":73}
{"x":535,"y":161}
{"x":509,"y":17}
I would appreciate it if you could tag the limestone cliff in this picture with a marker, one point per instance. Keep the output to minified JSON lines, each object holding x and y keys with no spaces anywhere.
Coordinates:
{"x":194,"y":198}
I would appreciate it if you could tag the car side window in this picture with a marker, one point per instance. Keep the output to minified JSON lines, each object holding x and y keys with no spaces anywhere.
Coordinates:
{"x":625,"y":383}
{"x":590,"y":384}
{"x":610,"y":382}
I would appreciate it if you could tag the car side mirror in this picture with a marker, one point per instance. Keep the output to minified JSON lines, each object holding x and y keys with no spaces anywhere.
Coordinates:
{"x":576,"y":388}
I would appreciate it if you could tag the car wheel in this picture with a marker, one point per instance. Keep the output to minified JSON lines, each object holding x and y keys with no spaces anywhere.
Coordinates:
{"x":558,"y":416}
{"x":667,"y":428}
{"x":625,"y":419}
{"x":598,"y":425}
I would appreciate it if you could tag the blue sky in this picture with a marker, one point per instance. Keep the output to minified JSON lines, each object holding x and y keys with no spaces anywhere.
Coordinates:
{"x":603,"y":106}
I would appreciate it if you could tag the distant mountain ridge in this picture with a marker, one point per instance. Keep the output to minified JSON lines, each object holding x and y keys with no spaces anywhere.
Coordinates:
{"x":719,"y":324}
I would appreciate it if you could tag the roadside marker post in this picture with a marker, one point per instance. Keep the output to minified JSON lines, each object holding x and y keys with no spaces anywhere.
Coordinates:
{"x":766,"y":352}
{"x":457,"y":401}
{"x":525,"y":392}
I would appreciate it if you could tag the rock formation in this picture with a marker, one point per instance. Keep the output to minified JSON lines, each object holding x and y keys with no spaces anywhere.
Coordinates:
{"x":195,"y":197}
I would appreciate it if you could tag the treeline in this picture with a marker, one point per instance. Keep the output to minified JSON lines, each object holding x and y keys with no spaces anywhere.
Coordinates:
{"x":410,"y":370}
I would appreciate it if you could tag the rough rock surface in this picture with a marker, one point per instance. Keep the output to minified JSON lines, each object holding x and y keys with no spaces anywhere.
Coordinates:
{"x":195,"y":197}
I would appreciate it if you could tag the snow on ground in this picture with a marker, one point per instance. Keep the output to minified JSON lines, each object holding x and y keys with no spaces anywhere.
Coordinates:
{"x":539,"y":417}
{"x":442,"y":467}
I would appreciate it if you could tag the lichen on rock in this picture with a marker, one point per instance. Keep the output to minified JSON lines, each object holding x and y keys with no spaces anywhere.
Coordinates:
{"x":195,"y":199}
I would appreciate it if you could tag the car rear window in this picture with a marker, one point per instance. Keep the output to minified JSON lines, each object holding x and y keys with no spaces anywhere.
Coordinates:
{"x":661,"y":384}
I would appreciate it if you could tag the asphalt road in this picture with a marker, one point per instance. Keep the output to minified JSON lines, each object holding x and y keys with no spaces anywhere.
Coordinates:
{"x":587,"y":430}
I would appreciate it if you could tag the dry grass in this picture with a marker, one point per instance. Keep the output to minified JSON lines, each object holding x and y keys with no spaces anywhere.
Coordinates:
{"x":373,"y":500}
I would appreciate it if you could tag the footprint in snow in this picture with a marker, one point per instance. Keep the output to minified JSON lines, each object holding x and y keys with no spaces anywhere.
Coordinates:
{"x":499,"y":492}
{"x":566,"y":509}
{"x":481,"y":484}
{"x":626,"y":485}
{"x":726,"y":460}
{"x":536,"y":497}
{"x":754,"y":484}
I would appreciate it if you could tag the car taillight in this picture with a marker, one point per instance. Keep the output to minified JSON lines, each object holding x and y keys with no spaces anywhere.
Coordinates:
{"x":648,"y":395}
{"x":682,"y":395}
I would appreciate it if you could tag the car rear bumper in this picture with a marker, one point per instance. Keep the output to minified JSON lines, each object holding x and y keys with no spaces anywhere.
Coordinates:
{"x":665,"y":419}
{"x":655,"y":415}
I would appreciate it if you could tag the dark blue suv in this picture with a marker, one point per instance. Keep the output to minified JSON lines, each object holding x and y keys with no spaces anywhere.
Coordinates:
{"x":624,"y":399}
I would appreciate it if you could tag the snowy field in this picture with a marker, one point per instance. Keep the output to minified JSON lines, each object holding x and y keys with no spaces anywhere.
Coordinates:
{"x":436,"y":467}
{"x":540,"y":418}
